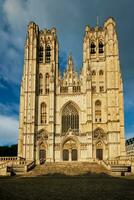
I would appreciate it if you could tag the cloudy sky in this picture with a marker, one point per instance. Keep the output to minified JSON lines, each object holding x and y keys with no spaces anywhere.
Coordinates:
{"x":70,"y":18}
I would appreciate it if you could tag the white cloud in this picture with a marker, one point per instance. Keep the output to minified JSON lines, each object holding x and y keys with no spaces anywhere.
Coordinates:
{"x":8,"y":130}
{"x":16,"y":13}
{"x":9,"y":109}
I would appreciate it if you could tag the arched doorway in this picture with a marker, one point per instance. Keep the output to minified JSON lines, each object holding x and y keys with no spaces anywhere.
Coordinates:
{"x":42,"y":151}
{"x":70,"y":151}
{"x":99,"y":150}
{"x":99,"y":140}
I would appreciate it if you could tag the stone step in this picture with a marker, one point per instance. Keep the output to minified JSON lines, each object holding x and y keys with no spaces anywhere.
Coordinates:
{"x":76,"y":168}
{"x":18,"y":169}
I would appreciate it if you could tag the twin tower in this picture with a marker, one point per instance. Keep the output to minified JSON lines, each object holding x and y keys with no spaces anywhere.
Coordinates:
{"x":74,"y":117}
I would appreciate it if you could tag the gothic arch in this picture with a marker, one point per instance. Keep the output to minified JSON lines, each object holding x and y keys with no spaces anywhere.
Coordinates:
{"x":48,"y":53}
{"x":69,"y":118}
{"x":92,"y":47}
{"x":41,"y":136}
{"x":43,"y":113}
{"x":98,"y":108}
{"x":101,"y":46}
{"x":75,"y":105}
{"x":70,"y":149}
{"x":69,"y":138}
{"x":41,"y":145}
{"x":98,"y":133}
{"x":99,"y":144}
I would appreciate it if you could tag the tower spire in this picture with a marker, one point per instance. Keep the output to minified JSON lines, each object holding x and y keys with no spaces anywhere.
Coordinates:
{"x":70,"y":63}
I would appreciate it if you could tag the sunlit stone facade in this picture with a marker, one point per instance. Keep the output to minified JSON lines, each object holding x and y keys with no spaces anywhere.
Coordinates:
{"x":74,"y":116}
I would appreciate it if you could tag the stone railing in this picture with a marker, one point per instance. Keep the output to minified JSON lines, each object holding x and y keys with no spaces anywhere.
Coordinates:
{"x":105,"y":164}
{"x":118,"y":166}
{"x":10,"y":161}
{"x":118,"y":162}
{"x":8,"y":158}
{"x":127,"y":157}
{"x":29,"y":166}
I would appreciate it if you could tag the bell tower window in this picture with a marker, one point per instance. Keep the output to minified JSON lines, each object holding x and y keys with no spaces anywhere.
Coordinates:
{"x":92,"y":48}
{"x":48,"y":54}
{"x":40,"y":55}
{"x":101,"y":47}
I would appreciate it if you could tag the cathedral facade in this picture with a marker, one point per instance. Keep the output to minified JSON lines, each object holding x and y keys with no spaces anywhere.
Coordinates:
{"x":74,"y":117}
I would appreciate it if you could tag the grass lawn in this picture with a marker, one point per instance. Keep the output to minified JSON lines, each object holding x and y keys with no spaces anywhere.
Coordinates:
{"x":57,"y":187}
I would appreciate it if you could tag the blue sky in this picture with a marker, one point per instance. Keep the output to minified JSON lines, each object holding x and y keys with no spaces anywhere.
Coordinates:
{"x":70,"y":18}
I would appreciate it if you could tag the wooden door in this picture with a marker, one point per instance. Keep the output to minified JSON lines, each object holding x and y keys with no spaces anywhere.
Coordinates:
{"x":74,"y":154}
{"x":65,"y":154}
{"x":99,"y":154}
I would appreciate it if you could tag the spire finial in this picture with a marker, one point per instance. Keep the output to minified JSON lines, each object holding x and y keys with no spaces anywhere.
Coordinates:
{"x":70,"y":62}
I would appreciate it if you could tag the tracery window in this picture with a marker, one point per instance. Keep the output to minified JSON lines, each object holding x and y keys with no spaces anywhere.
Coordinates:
{"x":101,"y":88}
{"x":63,"y":89}
{"x":40,"y":54}
{"x":93,"y":89}
{"x":101,"y":47}
{"x":40,"y":84}
{"x":70,"y":118}
{"x":43,"y":113}
{"x":92,"y":48}
{"x":47,"y":83}
{"x":93,"y":73}
{"x":98,"y":111}
{"x":48,"y":54}
{"x":101,"y":72}
{"x":76,"y":89}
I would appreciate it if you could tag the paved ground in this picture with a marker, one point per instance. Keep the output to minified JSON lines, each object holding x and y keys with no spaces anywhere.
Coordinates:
{"x":59,"y":187}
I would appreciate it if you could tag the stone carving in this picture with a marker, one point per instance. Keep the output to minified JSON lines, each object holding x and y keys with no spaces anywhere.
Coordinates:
{"x":42,"y":136}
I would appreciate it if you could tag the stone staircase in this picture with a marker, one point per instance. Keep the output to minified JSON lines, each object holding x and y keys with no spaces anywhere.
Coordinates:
{"x":68,"y":168}
{"x":11,"y":166}
{"x":18,"y":169}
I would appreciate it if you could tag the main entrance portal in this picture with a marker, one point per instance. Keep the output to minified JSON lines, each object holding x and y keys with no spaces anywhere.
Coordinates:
{"x":70,"y":152}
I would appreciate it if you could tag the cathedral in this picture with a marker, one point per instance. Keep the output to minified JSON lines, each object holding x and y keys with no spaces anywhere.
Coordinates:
{"x":71,"y":117}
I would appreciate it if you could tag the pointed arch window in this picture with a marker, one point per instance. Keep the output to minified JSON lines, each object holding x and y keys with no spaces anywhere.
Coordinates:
{"x":48,"y":54}
{"x":101,"y":73}
{"x":101,"y":47}
{"x":92,"y":48}
{"x":98,"y":111}
{"x":70,"y":118}
{"x":93,"y":73}
{"x":47,"y":83}
{"x":40,"y":84}
{"x":40,"y":54}
{"x":43,"y":113}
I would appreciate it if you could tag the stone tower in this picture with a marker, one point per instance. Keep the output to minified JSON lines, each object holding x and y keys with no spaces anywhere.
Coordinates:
{"x":77,"y":116}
